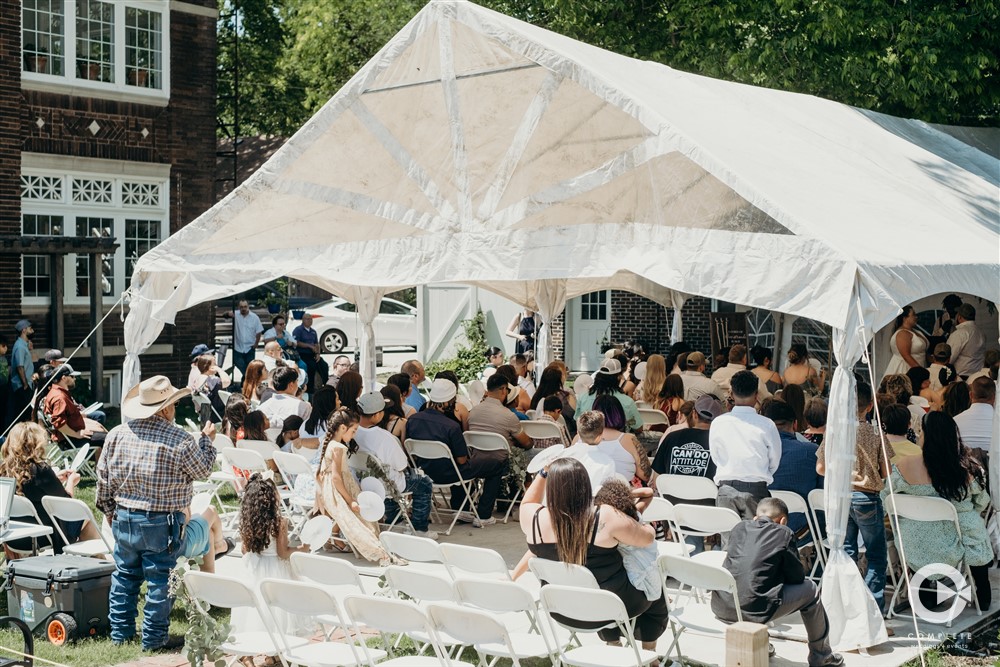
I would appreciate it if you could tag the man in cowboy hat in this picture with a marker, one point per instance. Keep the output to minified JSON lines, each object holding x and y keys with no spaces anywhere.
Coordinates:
{"x":144,"y":483}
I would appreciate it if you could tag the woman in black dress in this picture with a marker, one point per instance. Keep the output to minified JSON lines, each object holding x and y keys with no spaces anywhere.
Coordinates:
{"x":24,"y":459}
{"x":522,"y":327}
{"x":571,"y":529}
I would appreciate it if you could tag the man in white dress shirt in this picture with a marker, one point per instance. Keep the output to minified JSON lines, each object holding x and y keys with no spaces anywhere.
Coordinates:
{"x":695,"y":382}
{"x":975,"y":425}
{"x":746,"y":450}
{"x":968,"y":345}
{"x":247,"y":330}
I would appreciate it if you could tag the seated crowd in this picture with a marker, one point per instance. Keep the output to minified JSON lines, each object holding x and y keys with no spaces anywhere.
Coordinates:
{"x":748,"y":431}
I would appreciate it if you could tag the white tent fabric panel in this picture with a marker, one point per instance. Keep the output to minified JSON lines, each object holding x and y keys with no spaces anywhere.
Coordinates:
{"x":479,"y":149}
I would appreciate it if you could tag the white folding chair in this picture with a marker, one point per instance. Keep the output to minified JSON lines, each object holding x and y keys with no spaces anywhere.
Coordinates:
{"x":702,"y":521}
{"x":797,"y":503}
{"x":230,"y":593}
{"x":817,"y":503}
{"x":930,"y":510}
{"x":652,"y":416}
{"x":693,"y":614}
{"x":588,"y":606}
{"x":434,"y":450}
{"x":554,"y":572}
{"x":23,"y":509}
{"x":402,"y":617}
{"x":685,"y":487}
{"x":459,"y":558}
{"x":541,"y":429}
{"x":265,"y":448}
{"x":272,"y":434}
{"x":661,"y":509}
{"x":71,"y":509}
{"x":338,"y":576}
{"x":494,"y":442}
{"x":412,"y":548}
{"x":500,"y":597}
{"x":487,"y":635}
{"x":291,"y":466}
{"x":305,"y":600}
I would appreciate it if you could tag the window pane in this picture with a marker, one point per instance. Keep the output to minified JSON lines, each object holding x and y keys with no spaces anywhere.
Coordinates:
{"x":42,"y":36}
{"x":143,"y":48}
{"x":95,"y":40}
{"x":41,"y":225}
{"x":101,"y":228}
{"x":35,"y":275}
{"x":140,"y":236}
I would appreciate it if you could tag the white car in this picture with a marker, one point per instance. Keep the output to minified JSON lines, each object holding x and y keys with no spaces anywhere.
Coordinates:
{"x":337,"y":324}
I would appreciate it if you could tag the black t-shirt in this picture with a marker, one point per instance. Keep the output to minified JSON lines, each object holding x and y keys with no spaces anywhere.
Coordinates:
{"x":685,"y":452}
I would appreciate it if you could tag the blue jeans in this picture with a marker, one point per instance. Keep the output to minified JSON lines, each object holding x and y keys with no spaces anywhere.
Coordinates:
{"x":242,"y":359}
{"x":868,"y":517}
{"x":421,"y":487}
{"x":147,"y":545}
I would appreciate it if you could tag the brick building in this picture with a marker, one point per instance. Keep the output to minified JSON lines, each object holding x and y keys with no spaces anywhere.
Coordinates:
{"x":107,"y":130}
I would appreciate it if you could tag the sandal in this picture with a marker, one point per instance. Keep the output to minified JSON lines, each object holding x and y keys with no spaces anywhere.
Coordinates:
{"x":230,"y":545}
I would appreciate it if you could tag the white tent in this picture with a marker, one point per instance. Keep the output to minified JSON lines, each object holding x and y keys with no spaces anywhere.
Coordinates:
{"x":480,"y":149}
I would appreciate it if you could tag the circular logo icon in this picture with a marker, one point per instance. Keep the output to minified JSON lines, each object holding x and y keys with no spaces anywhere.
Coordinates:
{"x":960,"y":594}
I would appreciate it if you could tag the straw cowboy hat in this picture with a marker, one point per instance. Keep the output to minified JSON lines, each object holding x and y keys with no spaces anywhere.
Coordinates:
{"x":150,"y":396}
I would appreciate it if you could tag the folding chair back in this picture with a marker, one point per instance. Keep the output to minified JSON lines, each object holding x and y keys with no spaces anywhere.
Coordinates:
{"x":502,"y":597}
{"x":477,"y":560}
{"x":263,"y":447}
{"x":291,"y":465}
{"x":469,"y":626}
{"x":387,"y":615}
{"x":659,"y":509}
{"x":419,"y":585}
{"x":541,"y":429}
{"x":222,"y":441}
{"x":434,"y":450}
{"x":298,"y":597}
{"x":583,"y":605}
{"x":797,"y":503}
{"x":200,"y":502}
{"x":486,"y":442}
{"x":71,"y":509}
{"x":557,"y":573}
{"x":22,"y":509}
{"x":358,"y":462}
{"x":703,"y":521}
{"x":412,"y":548}
{"x":652,"y":417}
{"x":220,"y":591}
{"x":244,"y":459}
{"x":698,"y":575}
{"x":427,"y":449}
{"x":923,"y":508}
{"x":326,"y":571}
{"x":685,"y":487}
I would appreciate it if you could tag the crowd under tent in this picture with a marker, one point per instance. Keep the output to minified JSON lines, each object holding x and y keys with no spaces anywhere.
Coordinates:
{"x":479,"y":149}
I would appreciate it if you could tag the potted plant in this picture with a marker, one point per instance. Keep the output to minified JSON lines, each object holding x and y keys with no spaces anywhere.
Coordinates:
{"x":138,"y":74}
{"x":605,"y":343}
{"x":274,"y":302}
{"x":36,"y":60}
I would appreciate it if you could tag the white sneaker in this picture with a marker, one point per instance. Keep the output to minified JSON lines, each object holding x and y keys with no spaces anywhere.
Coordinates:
{"x":429,"y":534}
{"x":467,"y":517}
{"x":482,"y":523}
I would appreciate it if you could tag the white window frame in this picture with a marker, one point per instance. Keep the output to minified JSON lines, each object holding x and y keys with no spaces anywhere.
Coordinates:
{"x":70,"y":210}
{"x":69,"y":82}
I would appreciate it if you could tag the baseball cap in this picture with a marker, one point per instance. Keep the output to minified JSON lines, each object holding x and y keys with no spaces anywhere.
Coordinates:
{"x":695,"y":359}
{"x":200,"y":349}
{"x":610,"y":367}
{"x":62,"y":371}
{"x":942,"y":352}
{"x":22,"y":325}
{"x":54,"y":355}
{"x":442,"y":391}
{"x":372,"y":403}
{"x":708,"y":407}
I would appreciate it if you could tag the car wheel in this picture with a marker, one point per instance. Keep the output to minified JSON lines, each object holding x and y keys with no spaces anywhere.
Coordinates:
{"x":334,"y":341}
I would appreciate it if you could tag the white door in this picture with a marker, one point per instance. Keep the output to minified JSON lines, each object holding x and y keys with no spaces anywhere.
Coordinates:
{"x":588,"y":323}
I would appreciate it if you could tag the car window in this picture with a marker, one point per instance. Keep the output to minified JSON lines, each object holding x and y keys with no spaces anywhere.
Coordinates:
{"x":346,"y":306}
{"x":390,"y":308}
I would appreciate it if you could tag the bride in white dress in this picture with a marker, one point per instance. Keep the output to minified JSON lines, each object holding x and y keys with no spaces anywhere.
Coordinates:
{"x":908,"y":344}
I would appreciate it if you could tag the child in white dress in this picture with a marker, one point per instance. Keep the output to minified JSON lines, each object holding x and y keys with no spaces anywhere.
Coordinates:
{"x":264,"y":534}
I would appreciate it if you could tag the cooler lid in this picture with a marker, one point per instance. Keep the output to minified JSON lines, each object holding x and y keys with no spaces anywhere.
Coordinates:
{"x":64,"y":567}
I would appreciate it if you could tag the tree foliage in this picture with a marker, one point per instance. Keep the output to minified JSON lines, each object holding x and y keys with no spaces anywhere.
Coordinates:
{"x":936,"y":60}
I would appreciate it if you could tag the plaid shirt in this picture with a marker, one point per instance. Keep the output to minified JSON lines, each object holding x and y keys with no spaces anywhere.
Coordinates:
{"x":149,"y":464}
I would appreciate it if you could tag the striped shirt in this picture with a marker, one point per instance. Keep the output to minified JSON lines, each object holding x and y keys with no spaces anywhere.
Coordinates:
{"x":150,"y":464}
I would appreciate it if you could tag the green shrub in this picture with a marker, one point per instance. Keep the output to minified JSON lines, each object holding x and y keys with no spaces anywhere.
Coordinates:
{"x":470,"y":358}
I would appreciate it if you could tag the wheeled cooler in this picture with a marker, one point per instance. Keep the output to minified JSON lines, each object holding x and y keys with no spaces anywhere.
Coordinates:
{"x":64,"y":596}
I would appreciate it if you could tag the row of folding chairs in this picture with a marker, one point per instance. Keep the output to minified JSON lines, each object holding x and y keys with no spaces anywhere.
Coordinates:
{"x":442,"y":617}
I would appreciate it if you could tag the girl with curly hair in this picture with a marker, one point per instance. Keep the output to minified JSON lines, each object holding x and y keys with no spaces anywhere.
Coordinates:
{"x":264,"y":534}
{"x":639,"y":562}
{"x":337,"y":489}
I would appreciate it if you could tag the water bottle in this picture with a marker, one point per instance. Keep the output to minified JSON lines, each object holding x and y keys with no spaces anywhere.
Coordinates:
{"x":27,"y":607}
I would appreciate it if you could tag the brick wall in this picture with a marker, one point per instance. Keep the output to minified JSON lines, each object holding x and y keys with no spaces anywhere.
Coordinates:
{"x":696,"y":329}
{"x":181,"y":134}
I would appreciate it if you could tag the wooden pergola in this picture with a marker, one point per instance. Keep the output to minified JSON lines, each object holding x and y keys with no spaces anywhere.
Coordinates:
{"x":58,"y":247}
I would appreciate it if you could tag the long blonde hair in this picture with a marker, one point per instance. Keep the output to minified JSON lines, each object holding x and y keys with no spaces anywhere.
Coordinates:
{"x":656,"y":375}
{"x":24,"y":448}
